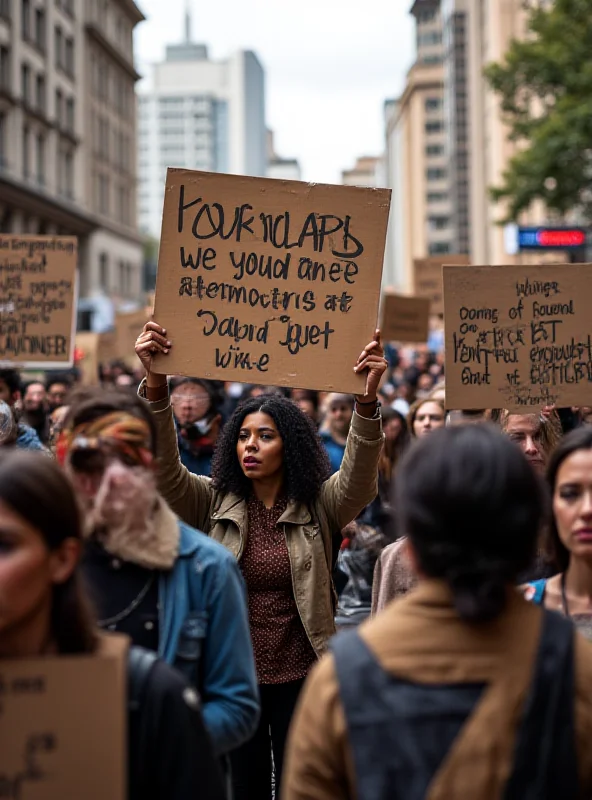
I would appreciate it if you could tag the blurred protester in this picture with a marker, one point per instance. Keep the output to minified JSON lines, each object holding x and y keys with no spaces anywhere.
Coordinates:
{"x":467,"y":417}
{"x":462,"y":689}
{"x":396,"y":442}
{"x":272,"y":503}
{"x":340,"y":409}
{"x":8,"y":426}
{"x":570,"y":533}
{"x":45,"y":613}
{"x":404,"y":396}
{"x":425,"y":417}
{"x":56,"y":423}
{"x":58,"y":388}
{"x":167,"y":586}
{"x":126,"y":380}
{"x":10,"y":393}
{"x":308,"y":402}
{"x":439,"y":392}
{"x":35,"y":409}
{"x":425,"y":384}
{"x":195,"y":404}
{"x":537,"y":435}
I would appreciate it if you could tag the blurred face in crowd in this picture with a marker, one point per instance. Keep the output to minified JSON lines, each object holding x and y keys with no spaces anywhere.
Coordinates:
{"x":56,"y":422}
{"x":260,"y":449}
{"x":57,"y":394}
{"x":424,"y":383}
{"x":307,"y":406}
{"x":527,"y":431}
{"x":28,"y":573}
{"x":190,"y":402}
{"x":586,"y":414}
{"x":392,"y":429}
{"x":429,"y":417}
{"x":6,"y":395}
{"x":572,"y":503}
{"x":34,"y":397}
{"x":340,"y":416}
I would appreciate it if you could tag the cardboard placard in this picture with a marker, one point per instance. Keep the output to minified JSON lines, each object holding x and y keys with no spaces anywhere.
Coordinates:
{"x":518,"y":337}
{"x":405,"y":319}
{"x":95,"y":349}
{"x":63,"y":727}
{"x":268,"y":281}
{"x":427,"y":277}
{"x":37,"y":300}
{"x":127,"y":329}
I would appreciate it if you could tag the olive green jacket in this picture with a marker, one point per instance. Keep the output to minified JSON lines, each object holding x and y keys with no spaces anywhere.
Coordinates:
{"x":308,"y":531}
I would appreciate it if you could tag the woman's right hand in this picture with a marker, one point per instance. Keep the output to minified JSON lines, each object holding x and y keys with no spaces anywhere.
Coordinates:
{"x":152,"y":340}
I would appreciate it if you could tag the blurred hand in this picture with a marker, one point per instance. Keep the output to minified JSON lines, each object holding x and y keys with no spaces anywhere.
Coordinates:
{"x":152,"y":340}
{"x":372,"y":359}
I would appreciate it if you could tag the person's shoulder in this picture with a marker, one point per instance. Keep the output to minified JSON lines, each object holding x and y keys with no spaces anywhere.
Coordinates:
{"x":196,"y":542}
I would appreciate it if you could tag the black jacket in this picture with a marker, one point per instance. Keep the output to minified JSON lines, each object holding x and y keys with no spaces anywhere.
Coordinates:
{"x":170,"y":754}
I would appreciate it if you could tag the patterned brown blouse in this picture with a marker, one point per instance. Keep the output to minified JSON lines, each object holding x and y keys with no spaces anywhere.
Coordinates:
{"x":282,"y":650}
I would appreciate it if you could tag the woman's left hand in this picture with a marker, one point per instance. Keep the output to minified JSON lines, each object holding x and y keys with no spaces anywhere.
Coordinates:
{"x":372,"y":358}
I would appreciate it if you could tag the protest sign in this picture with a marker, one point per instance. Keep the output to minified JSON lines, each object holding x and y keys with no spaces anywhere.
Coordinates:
{"x":94,"y":349}
{"x":269,"y":281}
{"x":63,"y":727}
{"x":427,"y":277}
{"x":404,"y":319}
{"x":128,"y":327}
{"x":37,"y":300}
{"x":518,"y":337}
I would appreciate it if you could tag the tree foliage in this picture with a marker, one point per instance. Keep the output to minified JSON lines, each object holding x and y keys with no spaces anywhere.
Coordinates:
{"x":545,"y":86}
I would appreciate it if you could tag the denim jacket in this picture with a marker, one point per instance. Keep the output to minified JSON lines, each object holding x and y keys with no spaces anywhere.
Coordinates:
{"x":205,"y":635}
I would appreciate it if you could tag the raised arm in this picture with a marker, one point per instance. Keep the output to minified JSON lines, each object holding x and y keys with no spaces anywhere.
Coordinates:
{"x":347,"y":492}
{"x":187,"y":494}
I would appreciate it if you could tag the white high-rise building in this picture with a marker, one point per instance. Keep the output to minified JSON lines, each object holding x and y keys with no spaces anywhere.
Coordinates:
{"x":199,"y":114}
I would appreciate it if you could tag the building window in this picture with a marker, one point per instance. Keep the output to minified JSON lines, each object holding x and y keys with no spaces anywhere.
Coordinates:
{"x":435,"y":150}
{"x":69,"y":57}
{"x":40,"y":92}
{"x":26,"y":19}
{"x":104,"y":271}
{"x":70,"y":115}
{"x":4,"y":68}
{"x":26,"y":83}
{"x":59,"y":107}
{"x":69,"y":174}
{"x":433,"y":104}
{"x":435,"y":174}
{"x":433,"y":126}
{"x":439,"y":223}
{"x":438,"y":248}
{"x":437,"y":197}
{"x":40,"y":28}
{"x":26,"y":152}
{"x":103,"y":194}
{"x":40,"y":159}
{"x":5,"y":9}
{"x":59,"y":46}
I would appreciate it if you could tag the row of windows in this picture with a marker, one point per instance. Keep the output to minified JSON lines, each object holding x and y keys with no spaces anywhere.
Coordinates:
{"x":436,"y":174}
{"x":112,"y":87}
{"x":125,"y":272}
{"x":34,"y":159}
{"x":112,"y":199}
{"x":110,"y":143}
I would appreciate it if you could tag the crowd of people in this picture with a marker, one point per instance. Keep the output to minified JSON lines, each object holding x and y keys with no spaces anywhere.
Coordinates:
{"x":228,"y":530}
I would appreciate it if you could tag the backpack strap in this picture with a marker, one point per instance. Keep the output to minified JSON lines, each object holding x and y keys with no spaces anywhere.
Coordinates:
{"x":545,"y":759}
{"x":140,"y":664}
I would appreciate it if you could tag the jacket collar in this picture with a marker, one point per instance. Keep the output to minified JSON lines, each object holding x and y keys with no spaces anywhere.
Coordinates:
{"x":234,"y":509}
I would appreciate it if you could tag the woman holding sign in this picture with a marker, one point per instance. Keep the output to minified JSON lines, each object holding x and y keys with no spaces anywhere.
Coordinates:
{"x":271,"y":502}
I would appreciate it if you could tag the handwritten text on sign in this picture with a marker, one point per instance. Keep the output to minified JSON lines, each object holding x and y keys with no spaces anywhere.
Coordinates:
{"x":274,"y":282}
{"x":37,"y":299}
{"x":518,"y":337}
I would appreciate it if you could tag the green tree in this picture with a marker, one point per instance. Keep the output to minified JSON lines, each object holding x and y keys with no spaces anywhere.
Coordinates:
{"x":545,"y":86}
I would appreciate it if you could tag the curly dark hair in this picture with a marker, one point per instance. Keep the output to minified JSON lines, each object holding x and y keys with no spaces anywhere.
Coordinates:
{"x":306,"y":463}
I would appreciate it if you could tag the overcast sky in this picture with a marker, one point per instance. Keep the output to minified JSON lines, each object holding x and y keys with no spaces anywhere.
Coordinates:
{"x":329,"y":66}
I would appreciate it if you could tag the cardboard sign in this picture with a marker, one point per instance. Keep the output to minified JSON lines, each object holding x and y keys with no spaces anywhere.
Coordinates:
{"x":127,"y":329}
{"x":427,"y":274}
{"x":95,"y":349}
{"x":268,"y":281}
{"x":518,"y":337}
{"x":37,"y":300}
{"x":63,"y":728}
{"x":405,"y":319}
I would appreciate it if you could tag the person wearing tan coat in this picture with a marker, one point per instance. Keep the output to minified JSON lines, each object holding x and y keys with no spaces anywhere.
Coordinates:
{"x":274,"y":504}
{"x":460,"y":689}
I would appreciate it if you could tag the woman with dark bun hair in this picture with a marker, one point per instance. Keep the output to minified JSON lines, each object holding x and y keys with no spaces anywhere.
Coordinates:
{"x":461,"y":689}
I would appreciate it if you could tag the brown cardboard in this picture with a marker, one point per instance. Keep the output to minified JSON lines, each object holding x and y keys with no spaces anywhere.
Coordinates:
{"x":239,"y":339}
{"x":127,"y":329}
{"x":63,"y":726}
{"x":37,"y":300}
{"x":518,"y":337}
{"x":405,"y":319}
{"x":427,"y":275}
{"x":96,"y":349}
